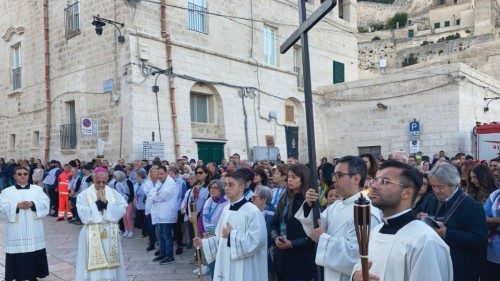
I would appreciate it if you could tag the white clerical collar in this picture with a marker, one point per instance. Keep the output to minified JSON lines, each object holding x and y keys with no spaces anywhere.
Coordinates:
{"x":449,"y":197}
{"x":396,"y":215}
{"x":347,"y":201}
{"x":232,"y":203}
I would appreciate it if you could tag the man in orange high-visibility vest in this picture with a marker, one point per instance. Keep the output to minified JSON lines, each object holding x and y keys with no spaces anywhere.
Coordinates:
{"x":64,"y":208}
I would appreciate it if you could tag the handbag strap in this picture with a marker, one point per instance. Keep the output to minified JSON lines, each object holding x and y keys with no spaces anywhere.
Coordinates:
{"x":454,"y":207}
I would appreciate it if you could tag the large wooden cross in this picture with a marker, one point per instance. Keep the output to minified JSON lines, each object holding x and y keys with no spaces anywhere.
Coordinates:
{"x":301,"y":33}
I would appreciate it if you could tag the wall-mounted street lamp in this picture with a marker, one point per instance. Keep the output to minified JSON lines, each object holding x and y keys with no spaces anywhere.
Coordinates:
{"x":381,"y":106}
{"x":99,"y":22}
{"x":487,"y":108}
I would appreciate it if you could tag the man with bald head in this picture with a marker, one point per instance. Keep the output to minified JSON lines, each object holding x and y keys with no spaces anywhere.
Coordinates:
{"x":99,"y":248}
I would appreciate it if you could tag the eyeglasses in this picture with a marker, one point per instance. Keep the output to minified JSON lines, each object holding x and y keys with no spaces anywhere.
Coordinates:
{"x":382,"y":182}
{"x":340,"y":174}
{"x":21,"y":174}
{"x":200,"y":172}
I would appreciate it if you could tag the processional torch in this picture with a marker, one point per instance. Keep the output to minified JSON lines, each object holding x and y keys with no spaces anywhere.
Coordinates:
{"x":362,"y":226}
{"x":194,"y":222}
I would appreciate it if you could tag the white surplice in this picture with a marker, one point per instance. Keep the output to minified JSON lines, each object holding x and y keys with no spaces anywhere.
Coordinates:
{"x":414,"y":253}
{"x":246,"y":258}
{"x":109,"y":244}
{"x":338,"y":249}
{"x":24,"y":229}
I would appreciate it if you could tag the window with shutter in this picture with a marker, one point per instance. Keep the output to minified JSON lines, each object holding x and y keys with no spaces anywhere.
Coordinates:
{"x":338,"y":72}
{"x":289,"y":114}
{"x":269,"y":45}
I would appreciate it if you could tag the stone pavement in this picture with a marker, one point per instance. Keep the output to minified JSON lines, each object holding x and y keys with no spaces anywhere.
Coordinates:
{"x":61,"y":239}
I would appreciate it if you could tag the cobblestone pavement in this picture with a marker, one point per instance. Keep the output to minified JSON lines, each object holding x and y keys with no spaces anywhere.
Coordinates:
{"x":61,"y":239}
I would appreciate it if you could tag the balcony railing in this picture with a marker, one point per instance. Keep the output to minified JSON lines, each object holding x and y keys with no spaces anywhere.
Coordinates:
{"x":197,"y":18}
{"x":16,"y":78}
{"x":72,"y":19}
{"x":300,"y":77}
{"x":68,"y":136}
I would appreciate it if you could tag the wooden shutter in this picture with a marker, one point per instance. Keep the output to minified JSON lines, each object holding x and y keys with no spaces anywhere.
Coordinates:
{"x":338,"y":72}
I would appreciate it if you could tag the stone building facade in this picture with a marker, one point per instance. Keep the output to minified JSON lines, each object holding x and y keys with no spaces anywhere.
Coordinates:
{"x":216,"y":64}
{"x":446,"y":100}
{"x":437,"y":33}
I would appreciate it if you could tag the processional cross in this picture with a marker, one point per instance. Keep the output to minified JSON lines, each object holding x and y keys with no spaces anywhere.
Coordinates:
{"x":301,"y":33}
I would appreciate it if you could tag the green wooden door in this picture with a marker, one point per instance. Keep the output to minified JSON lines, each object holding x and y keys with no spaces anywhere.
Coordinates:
{"x":210,"y":152}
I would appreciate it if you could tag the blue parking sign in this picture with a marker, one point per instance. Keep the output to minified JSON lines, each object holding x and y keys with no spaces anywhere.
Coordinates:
{"x":414,"y":126}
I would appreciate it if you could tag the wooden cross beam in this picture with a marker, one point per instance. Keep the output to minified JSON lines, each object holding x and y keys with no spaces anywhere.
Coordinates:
{"x":301,"y":33}
{"x":305,"y":26}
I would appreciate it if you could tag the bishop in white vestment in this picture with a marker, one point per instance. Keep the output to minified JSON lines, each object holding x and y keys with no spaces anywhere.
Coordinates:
{"x":240,"y":242}
{"x":100,"y":254}
{"x":23,"y":206}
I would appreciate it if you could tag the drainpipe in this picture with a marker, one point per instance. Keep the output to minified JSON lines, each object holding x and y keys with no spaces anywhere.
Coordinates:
{"x":171,"y":87}
{"x":48,"y":103}
{"x":245,"y":121}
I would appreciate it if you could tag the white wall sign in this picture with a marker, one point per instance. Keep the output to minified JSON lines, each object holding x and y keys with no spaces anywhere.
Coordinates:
{"x":414,"y":146}
{"x":152,"y":149}
{"x":87,"y":126}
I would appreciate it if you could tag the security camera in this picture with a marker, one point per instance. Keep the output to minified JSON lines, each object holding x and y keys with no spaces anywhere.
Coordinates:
{"x":98,"y":26}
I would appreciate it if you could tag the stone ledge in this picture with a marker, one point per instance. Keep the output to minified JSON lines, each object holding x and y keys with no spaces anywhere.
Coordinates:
{"x":73,"y":34}
{"x":14,"y":94}
{"x":68,"y":151}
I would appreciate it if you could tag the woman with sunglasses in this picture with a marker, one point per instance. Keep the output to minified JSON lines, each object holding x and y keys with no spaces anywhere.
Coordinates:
{"x":198,"y":193}
{"x":22,"y":206}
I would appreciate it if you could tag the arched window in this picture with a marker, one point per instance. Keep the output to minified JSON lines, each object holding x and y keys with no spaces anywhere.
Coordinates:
{"x":203,"y":104}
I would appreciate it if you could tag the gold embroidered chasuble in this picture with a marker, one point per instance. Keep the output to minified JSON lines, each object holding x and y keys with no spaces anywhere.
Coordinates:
{"x":98,"y":233}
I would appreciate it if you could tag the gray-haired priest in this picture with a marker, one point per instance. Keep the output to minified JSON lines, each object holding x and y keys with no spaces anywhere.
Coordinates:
{"x":22,"y":206}
{"x":99,"y":247}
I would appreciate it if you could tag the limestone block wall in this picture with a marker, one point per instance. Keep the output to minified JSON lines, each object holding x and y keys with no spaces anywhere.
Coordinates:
{"x":370,"y":13}
{"x":434,"y":96}
{"x":425,"y":48}
{"x":278,"y":86}
{"x":485,"y":14}
{"x":21,"y":108}
{"x":472,"y":92}
{"x":78,"y":67}
{"x":223,"y":56}
{"x":128,"y":115}
{"x":450,"y":13}
{"x":431,"y":51}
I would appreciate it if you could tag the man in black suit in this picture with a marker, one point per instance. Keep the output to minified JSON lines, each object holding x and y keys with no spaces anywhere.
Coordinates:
{"x":461,"y":219}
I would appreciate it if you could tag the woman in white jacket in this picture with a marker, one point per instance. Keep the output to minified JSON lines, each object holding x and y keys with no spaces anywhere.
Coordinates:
{"x":149,"y":188}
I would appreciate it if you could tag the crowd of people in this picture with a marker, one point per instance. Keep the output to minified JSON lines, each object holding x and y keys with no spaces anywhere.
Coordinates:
{"x":432,"y":218}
